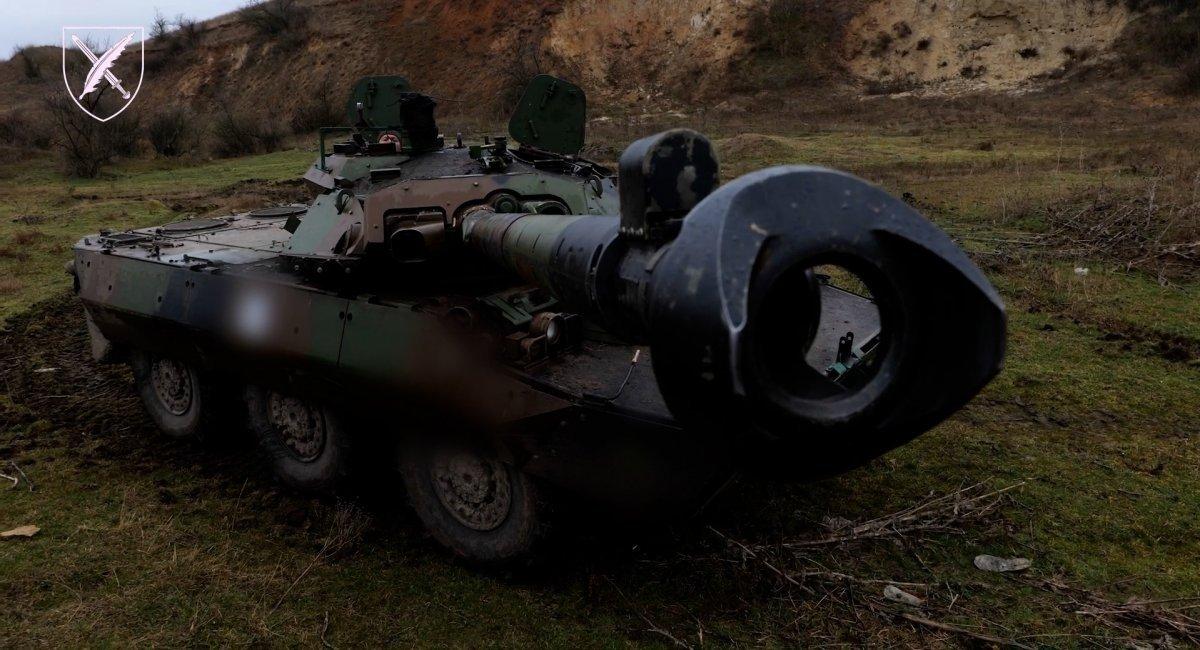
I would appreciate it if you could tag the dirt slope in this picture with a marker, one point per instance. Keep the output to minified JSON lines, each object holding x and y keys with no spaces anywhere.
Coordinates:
{"x":474,"y":53}
{"x":444,"y":48}
{"x":640,"y":50}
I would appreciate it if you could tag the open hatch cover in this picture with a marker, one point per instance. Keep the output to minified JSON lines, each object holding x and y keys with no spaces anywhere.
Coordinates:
{"x":551,"y":116}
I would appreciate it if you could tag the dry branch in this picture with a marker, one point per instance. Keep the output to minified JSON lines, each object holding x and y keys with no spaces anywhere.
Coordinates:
{"x":1162,"y":616}
{"x":936,"y":514}
{"x":346,"y":529}
{"x":946,"y":627}
{"x":1141,"y":232}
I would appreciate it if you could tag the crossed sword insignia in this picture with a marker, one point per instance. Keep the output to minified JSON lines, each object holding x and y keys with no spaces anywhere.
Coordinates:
{"x":108,"y":75}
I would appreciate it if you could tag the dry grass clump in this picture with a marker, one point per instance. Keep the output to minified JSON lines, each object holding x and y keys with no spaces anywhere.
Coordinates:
{"x":10,"y":285}
{"x":27,"y":237}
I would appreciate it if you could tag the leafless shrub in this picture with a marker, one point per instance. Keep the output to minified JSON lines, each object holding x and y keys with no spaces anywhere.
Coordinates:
{"x":319,"y":110}
{"x":171,"y":132}
{"x":21,"y":131}
{"x":160,"y":25}
{"x":27,"y":237}
{"x":123,"y":135}
{"x":526,"y":64}
{"x":175,"y":37}
{"x":270,"y":136}
{"x":1167,"y":33}
{"x":1187,"y":79}
{"x":85,"y":145}
{"x":236,"y":134}
{"x":892,"y":86}
{"x":187,"y":31}
{"x":31,"y":68}
{"x":77,"y":65}
{"x":284,"y":21}
{"x":10,"y":285}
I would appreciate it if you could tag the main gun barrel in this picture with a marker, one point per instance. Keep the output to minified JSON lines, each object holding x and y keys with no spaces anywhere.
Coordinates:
{"x":727,"y":287}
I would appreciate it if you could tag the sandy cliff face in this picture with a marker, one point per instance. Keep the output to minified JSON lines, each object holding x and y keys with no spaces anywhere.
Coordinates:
{"x":978,"y":44}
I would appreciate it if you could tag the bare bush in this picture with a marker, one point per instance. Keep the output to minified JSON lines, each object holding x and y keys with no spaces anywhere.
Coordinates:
{"x":123,"y":135}
{"x":233,"y":135}
{"x":171,"y":132}
{"x":892,"y":86}
{"x":239,"y":135}
{"x":187,"y":31}
{"x":23,"y":132}
{"x":160,"y":26}
{"x":1187,"y":79}
{"x":174,"y":36}
{"x":11,"y":127}
{"x":1167,"y":34}
{"x":30,"y":67}
{"x":85,"y":145}
{"x":269,"y":136}
{"x":284,"y":21}
{"x":525,"y":65}
{"x":77,"y":65}
{"x":319,"y":110}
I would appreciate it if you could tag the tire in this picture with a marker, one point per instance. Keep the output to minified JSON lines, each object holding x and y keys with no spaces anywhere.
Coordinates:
{"x":176,"y":396}
{"x":304,"y":441}
{"x":481,"y":508}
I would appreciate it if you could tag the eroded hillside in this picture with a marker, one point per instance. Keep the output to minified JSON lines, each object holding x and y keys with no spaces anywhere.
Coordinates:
{"x":979,"y":44}
{"x":624,"y":50}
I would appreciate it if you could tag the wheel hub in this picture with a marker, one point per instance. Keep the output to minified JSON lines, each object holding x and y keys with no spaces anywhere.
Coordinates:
{"x":300,"y":426}
{"x":476,"y":490}
{"x":172,"y":385}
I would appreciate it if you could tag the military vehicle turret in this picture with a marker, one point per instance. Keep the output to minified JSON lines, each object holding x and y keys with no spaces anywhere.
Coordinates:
{"x":506,"y":318}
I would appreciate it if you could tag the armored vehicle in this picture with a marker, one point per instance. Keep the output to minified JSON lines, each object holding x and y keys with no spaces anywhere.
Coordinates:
{"x":501,"y":320}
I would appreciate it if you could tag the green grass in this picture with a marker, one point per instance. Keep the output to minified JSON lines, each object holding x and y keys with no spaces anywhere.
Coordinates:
{"x":155,"y":542}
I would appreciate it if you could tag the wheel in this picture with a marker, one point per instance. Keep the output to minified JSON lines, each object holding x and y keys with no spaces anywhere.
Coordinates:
{"x":304,"y":441}
{"x":174,"y":395}
{"x":478,"y":506}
